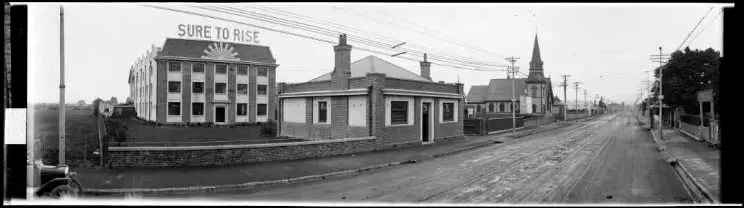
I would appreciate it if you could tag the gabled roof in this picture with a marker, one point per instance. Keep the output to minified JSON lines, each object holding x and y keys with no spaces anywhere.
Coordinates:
{"x":496,"y":90}
{"x":198,"y":48}
{"x":501,"y":90}
{"x":373,"y":64}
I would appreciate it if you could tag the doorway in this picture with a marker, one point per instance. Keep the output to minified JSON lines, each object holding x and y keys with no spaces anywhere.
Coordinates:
{"x":426,"y":126}
{"x":219,"y":114}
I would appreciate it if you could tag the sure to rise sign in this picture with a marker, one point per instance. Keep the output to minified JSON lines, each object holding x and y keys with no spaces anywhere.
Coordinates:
{"x":217,"y":33}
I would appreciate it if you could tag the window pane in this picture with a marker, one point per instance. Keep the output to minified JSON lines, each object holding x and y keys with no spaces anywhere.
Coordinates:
{"x":322,"y":112}
{"x":399,"y":112}
{"x":261,"y":109}
{"x":242,"y":109}
{"x":198,"y":87}
{"x":174,"y":66}
{"x":174,"y":86}
{"x":221,"y":69}
{"x":243,"y":89}
{"x":243,"y":69}
{"x":262,"y":71}
{"x":449,"y":112}
{"x":262,"y":90}
{"x":174,"y":108}
{"x":198,"y":68}
{"x":220,"y":88}
{"x":197,"y":109}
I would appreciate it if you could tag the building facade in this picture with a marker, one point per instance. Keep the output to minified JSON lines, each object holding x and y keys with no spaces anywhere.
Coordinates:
{"x":533,"y":95}
{"x":371,"y":97}
{"x":197,"y":81}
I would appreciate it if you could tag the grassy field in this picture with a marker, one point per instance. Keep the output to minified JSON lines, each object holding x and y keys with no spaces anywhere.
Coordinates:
{"x":81,"y":138}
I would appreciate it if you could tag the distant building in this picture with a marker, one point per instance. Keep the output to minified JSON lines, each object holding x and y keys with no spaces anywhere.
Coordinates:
{"x":200,"y":81}
{"x":371,"y":97}
{"x":534,"y":94}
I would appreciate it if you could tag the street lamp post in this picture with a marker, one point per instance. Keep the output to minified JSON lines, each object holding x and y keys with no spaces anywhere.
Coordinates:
{"x":513,"y":107}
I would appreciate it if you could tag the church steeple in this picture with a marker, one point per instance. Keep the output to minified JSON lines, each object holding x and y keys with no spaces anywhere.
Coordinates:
{"x":536,"y":64}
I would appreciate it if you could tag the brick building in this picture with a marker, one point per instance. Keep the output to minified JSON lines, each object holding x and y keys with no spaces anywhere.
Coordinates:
{"x":197,"y":81}
{"x":371,"y":97}
{"x":534,"y":94}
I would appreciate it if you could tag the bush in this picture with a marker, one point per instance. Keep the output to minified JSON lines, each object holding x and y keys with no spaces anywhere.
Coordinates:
{"x":268,"y":129}
{"x":116,"y":129}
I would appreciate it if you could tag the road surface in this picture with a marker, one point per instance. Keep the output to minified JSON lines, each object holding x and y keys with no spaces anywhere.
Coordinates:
{"x":608,"y":160}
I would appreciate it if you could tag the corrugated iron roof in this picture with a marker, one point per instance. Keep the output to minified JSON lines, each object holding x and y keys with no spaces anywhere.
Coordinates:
{"x":198,"y":48}
{"x":374,"y":64}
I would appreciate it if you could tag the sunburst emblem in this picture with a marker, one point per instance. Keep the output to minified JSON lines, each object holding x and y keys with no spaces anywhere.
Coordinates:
{"x":221,"y":51}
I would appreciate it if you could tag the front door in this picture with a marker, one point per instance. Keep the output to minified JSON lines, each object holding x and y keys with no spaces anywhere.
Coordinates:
{"x":425,"y":122}
{"x":219,"y":114}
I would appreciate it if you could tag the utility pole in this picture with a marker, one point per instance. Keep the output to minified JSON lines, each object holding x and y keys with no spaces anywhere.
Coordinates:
{"x":61,"y":88}
{"x":565,"y":97}
{"x":576,"y":87}
{"x":661,"y":57}
{"x":586,"y":105}
{"x":513,"y":107}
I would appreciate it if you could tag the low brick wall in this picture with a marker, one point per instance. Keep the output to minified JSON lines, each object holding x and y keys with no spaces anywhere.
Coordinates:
{"x":245,"y":154}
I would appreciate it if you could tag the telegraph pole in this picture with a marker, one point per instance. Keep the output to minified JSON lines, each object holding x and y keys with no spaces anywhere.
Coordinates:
{"x":513,"y":107}
{"x":661,"y":58}
{"x":586,"y":105}
{"x":576,"y":87}
{"x":61,"y":87}
{"x":565,"y":97}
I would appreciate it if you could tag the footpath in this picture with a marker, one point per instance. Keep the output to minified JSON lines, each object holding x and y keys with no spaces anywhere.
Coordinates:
{"x":225,"y":178}
{"x":697,"y":164}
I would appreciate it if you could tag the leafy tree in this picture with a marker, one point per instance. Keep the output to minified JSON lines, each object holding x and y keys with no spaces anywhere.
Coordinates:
{"x":129,"y":100}
{"x":686,"y":73}
{"x":81,"y":102}
{"x":113,"y":100}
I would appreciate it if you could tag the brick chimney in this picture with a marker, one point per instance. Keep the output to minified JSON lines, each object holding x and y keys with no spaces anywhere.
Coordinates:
{"x":342,"y":65}
{"x":425,"y":68}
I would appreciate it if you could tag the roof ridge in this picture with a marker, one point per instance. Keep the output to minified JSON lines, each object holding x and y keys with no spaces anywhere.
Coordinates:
{"x":399,"y":67}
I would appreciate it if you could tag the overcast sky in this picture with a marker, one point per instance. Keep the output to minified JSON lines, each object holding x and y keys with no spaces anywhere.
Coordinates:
{"x":607,"y":47}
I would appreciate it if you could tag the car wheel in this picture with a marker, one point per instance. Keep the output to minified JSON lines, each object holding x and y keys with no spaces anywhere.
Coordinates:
{"x":64,"y":191}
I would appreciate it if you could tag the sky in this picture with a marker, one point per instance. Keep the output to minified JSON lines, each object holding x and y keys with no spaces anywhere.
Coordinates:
{"x":606,"y":47}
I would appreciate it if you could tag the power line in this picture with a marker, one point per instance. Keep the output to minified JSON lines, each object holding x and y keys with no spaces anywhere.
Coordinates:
{"x":294,"y":24}
{"x":693,"y":29}
{"x":705,"y":27}
{"x":419,"y":31}
{"x":394,"y":41}
{"x":323,"y":31}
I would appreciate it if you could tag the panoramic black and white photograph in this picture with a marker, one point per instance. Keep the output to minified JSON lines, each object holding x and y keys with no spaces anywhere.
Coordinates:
{"x":374,"y":103}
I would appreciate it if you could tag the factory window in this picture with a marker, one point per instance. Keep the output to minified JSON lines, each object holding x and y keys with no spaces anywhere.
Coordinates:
{"x":220,"y":88}
{"x":197,"y":109}
{"x":174,"y":108}
{"x":261,"y":109}
{"x":243,"y":69}
{"x":220,"y":69}
{"x":261,"y":89}
{"x":243,"y":89}
{"x":197,"y":87}
{"x":398,"y":112}
{"x":198,"y":68}
{"x":262,"y":72}
{"x":174,"y":66}
{"x":242,"y":109}
{"x":174,"y":86}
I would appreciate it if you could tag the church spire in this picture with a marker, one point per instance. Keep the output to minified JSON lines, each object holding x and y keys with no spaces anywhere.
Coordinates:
{"x":536,"y":64}
{"x":536,"y":52}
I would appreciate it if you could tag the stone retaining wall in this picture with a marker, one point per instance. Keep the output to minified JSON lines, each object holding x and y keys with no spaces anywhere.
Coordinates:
{"x":220,"y":155}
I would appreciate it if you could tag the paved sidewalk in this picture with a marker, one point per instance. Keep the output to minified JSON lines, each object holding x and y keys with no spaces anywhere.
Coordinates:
{"x":158,"y":178}
{"x":699,"y":160}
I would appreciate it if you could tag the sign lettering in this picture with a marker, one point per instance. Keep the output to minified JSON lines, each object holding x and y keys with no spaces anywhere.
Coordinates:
{"x":217,"y":33}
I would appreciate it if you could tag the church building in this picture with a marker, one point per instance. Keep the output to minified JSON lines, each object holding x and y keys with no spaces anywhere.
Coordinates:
{"x":534,"y":94}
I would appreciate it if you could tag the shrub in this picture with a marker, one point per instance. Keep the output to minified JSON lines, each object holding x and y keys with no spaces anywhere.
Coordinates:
{"x":268,"y":129}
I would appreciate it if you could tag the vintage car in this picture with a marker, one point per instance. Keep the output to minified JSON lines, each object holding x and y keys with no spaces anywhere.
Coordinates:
{"x":56,"y":182}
